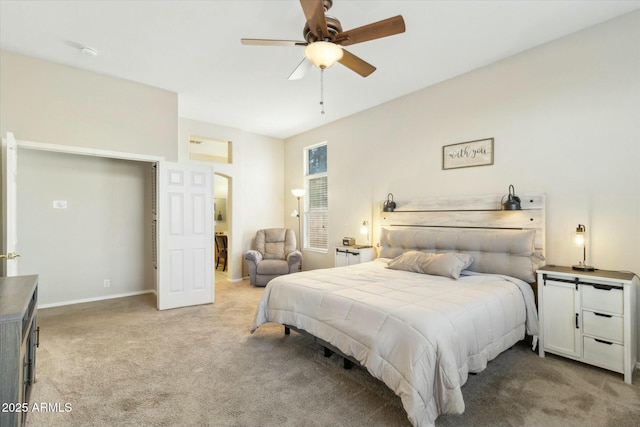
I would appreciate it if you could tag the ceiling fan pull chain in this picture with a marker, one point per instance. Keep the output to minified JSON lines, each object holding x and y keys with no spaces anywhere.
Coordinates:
{"x":322,"y":90}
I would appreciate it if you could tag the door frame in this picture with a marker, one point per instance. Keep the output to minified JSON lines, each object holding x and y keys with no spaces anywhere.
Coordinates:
{"x":9,"y":266}
{"x":68,"y":149}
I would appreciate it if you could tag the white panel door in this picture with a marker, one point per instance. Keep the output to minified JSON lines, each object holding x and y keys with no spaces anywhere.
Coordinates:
{"x":185,"y":232}
{"x":562,"y":323}
{"x":9,"y":253}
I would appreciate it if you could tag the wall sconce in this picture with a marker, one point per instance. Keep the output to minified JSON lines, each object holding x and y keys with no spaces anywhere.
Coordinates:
{"x":513,"y":202}
{"x":389,"y":205}
{"x":581,"y":240}
{"x":364,"y":230}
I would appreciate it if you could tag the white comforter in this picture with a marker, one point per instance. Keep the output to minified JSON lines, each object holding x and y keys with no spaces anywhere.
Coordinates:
{"x":420,"y":334}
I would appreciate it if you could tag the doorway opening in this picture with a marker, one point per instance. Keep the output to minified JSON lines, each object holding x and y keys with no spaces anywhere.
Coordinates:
{"x":222,"y":224}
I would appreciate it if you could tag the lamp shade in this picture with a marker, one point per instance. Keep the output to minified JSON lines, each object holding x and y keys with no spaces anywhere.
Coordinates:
{"x":579,"y":238}
{"x":513,"y":202}
{"x":323,"y":54}
{"x":298,"y":192}
{"x":364,"y":228}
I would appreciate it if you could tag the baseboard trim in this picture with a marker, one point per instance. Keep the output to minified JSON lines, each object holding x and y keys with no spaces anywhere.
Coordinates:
{"x":101,"y":298}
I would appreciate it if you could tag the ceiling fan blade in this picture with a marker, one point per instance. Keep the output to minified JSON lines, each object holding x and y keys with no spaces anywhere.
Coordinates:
{"x":314,"y":12}
{"x":356,"y":64}
{"x":270,"y":42}
{"x":376,"y":30}
{"x":300,"y":70}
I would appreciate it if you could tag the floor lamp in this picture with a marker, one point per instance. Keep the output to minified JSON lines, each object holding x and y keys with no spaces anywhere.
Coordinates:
{"x":298,"y":193}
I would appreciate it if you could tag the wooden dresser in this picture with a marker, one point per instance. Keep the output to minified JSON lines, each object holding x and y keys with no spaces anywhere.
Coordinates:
{"x":18,"y":342}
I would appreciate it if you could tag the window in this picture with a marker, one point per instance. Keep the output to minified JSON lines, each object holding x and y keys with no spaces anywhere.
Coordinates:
{"x":316,"y":204}
{"x":208,"y":149}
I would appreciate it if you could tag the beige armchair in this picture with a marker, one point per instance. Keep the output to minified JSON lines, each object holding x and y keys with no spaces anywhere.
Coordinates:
{"x":275,"y":254}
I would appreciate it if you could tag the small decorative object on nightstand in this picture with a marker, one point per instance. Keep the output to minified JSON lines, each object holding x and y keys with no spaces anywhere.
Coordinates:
{"x":589,"y":316}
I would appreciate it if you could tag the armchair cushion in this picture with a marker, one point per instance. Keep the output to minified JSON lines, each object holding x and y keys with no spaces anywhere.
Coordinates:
{"x":275,"y":243}
{"x":294,"y":258}
{"x":275,"y":254}
{"x":253,"y":255}
{"x":273,"y":266}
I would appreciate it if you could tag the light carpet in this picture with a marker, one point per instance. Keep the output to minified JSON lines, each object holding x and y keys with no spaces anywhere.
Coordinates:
{"x":121,"y":362}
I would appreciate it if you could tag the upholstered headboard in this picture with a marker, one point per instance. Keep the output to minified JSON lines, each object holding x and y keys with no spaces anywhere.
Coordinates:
{"x":500,"y":242}
{"x":509,"y":252}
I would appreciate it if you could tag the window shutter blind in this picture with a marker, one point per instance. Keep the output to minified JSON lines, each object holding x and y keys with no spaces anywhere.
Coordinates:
{"x":317,"y":215}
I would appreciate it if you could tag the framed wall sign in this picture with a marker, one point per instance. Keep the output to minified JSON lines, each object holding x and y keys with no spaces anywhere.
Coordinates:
{"x":468,"y":154}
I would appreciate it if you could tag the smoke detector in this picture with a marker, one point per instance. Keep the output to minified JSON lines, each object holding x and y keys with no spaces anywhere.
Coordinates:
{"x":89,"y":51}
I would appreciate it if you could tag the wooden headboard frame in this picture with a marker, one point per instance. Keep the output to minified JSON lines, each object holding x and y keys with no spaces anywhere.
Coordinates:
{"x":470,"y":212}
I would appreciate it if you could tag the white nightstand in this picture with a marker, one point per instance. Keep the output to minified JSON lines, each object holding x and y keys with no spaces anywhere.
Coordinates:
{"x":349,"y":255}
{"x":589,"y":317}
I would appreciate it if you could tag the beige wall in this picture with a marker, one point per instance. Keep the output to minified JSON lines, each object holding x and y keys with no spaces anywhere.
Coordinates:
{"x":51,"y":103}
{"x":566,"y":121}
{"x":104,"y":233}
{"x":256,"y":179}
{"x":44,"y":102}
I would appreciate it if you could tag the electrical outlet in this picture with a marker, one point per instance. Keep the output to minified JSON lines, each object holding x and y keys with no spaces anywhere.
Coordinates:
{"x":59,"y":204}
{"x":107,"y":283}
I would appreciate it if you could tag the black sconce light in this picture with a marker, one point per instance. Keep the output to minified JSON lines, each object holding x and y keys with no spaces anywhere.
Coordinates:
{"x":513,"y":202}
{"x":389,"y":205}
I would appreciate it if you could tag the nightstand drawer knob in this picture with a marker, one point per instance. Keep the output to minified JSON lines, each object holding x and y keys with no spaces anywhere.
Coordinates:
{"x":602,"y":315}
{"x":604,"y":287}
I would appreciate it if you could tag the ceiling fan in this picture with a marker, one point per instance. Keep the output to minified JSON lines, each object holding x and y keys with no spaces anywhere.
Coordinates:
{"x":324,"y":38}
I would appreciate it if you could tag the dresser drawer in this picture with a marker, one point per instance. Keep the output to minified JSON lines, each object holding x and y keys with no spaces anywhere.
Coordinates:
{"x":602,"y":298}
{"x":605,"y":355}
{"x":605,"y":326}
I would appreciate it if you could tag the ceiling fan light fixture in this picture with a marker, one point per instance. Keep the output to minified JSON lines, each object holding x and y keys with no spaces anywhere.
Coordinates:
{"x":323,"y":54}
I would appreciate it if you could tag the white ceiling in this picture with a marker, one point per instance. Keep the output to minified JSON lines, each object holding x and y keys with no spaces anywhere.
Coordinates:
{"x":193,"y":48}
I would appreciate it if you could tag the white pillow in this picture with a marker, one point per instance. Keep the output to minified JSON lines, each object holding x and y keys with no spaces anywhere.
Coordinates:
{"x":448,"y":264}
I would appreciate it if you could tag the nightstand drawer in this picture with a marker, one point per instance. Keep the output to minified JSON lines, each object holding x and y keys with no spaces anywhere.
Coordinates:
{"x":602,"y":298}
{"x":601,"y":325}
{"x":603,"y":354}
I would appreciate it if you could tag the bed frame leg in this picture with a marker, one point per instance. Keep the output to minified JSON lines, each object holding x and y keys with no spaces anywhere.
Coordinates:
{"x":287,"y":330}
{"x":327,"y":352}
{"x":347,"y":364}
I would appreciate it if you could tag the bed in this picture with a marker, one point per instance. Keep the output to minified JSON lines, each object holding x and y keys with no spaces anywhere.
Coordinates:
{"x":439,"y":303}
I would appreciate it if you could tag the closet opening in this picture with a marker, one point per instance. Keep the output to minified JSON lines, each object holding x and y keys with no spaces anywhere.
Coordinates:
{"x":86,"y":225}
